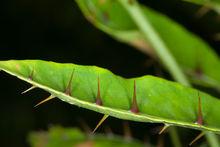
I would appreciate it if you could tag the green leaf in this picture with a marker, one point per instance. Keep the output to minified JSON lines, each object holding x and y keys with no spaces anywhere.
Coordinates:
{"x":158,"y":100}
{"x":192,"y":53}
{"x":69,"y":137}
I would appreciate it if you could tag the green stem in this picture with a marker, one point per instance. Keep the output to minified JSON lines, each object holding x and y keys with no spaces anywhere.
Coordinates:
{"x":212,"y":139}
{"x":156,"y":42}
{"x":174,"y":137}
{"x":160,"y":48}
{"x":163,"y":53}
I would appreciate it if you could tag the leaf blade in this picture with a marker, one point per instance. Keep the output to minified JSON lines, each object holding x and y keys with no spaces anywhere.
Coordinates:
{"x":166,"y":102}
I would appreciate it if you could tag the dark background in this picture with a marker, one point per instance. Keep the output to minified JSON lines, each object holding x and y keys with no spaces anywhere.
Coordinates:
{"x":57,"y":31}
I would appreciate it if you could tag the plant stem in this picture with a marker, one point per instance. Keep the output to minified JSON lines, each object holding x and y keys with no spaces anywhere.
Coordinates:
{"x":212,"y":139}
{"x":160,"y":48}
{"x":174,"y":137}
{"x":164,"y":54}
{"x":155,"y":41}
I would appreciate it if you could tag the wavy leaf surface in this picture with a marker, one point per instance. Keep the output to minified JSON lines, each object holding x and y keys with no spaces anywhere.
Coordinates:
{"x":155,"y":100}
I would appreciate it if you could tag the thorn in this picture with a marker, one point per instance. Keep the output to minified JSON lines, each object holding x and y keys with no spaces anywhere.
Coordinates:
{"x":200,"y":118}
{"x":68,"y":89}
{"x":31,"y":75}
{"x":134,"y":107}
{"x":98,"y":97}
{"x":100,"y":122}
{"x":163,"y":129}
{"x":45,"y":100}
{"x":127,"y":131}
{"x":197,"y":138}
{"x":29,"y":89}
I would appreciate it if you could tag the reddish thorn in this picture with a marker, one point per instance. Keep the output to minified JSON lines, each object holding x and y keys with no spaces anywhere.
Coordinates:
{"x":200,"y":118}
{"x":68,"y":91}
{"x":31,"y":75}
{"x":98,"y":102}
{"x":69,"y":86}
{"x":98,"y":97}
{"x":134,"y":107}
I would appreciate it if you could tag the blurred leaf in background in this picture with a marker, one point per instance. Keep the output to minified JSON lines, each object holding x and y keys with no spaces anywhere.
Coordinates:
{"x":72,"y":137}
{"x":192,"y":53}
